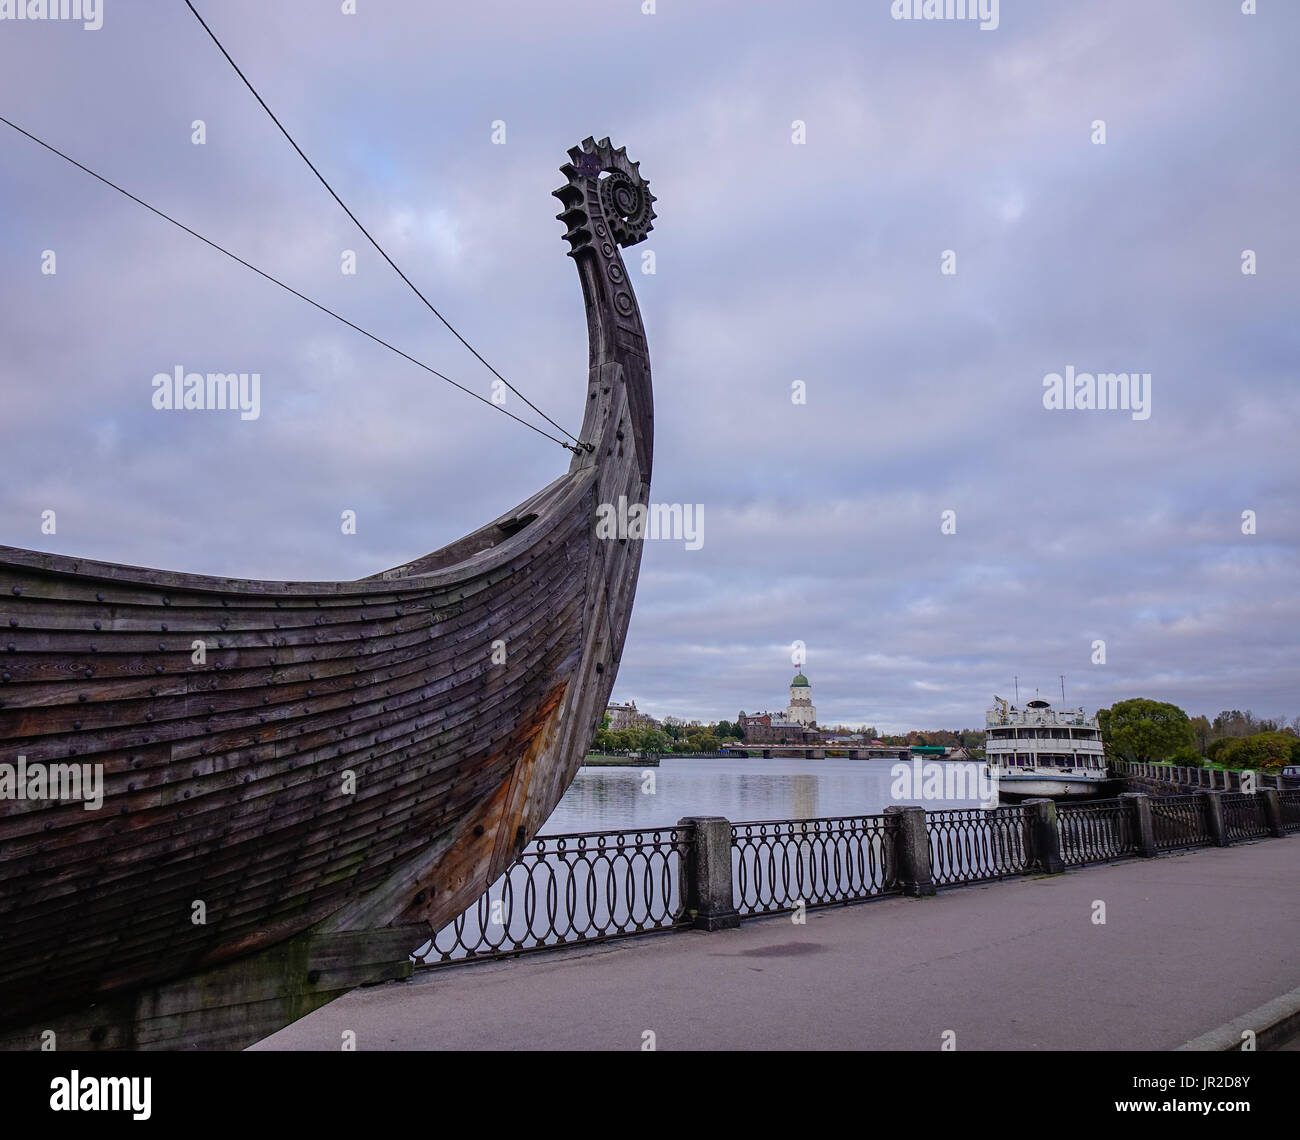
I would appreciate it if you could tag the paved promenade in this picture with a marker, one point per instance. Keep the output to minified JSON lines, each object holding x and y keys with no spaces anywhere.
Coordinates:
{"x":1190,"y":942}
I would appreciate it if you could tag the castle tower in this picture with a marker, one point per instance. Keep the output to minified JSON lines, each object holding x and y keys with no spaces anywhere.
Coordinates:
{"x":801,"y":710}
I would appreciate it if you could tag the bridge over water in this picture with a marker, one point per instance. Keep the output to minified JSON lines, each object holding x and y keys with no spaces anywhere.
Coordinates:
{"x":817,"y":752}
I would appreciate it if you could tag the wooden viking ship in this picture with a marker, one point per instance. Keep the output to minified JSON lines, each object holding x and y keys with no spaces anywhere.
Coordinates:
{"x":303,"y":780}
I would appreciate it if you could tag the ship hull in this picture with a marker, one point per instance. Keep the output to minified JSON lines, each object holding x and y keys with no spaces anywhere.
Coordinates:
{"x":1051,"y":787}
{"x":299,"y":782}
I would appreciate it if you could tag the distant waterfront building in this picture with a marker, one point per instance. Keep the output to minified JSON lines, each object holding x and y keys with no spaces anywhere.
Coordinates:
{"x":801,"y":710}
{"x":622,"y":716}
{"x":842,"y":738}
{"x":793,"y":725}
{"x":772,"y":728}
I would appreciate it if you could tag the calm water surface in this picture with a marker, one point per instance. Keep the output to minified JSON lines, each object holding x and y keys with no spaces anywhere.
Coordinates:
{"x":602,"y":799}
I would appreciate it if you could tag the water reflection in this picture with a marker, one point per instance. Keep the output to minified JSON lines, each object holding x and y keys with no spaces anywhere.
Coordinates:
{"x":602,"y":799}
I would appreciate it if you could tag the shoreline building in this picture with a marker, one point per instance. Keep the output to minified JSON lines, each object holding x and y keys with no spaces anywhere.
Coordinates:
{"x":622,"y":716}
{"x":801,"y":710}
{"x":796,"y":725}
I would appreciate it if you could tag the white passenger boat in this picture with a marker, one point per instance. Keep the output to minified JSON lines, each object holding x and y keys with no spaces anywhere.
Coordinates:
{"x":1041,"y":751}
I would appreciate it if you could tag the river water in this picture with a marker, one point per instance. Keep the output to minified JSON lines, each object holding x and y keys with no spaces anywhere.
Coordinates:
{"x":602,"y":799}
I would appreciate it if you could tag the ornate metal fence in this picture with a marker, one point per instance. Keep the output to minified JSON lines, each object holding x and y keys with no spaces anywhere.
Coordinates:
{"x":568,"y":889}
{"x":778,"y":863}
{"x":1290,"y":801}
{"x":1178,"y":822}
{"x":1243,"y":816}
{"x":1096,"y":831}
{"x":968,"y":845}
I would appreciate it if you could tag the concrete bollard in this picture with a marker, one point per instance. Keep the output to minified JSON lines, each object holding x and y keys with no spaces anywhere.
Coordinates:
{"x":1212,"y":805}
{"x":1047,"y":836}
{"x":706,"y":874}
{"x":907,"y":855}
{"x":1144,"y":832}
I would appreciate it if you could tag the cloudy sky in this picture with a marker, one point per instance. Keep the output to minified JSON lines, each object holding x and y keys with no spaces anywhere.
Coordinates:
{"x":775,"y":262}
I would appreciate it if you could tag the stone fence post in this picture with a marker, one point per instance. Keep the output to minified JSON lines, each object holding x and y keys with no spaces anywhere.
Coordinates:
{"x":1047,"y":836}
{"x":1144,"y":833}
{"x":1273,"y":812}
{"x":1212,"y":805}
{"x":907,"y":850}
{"x":706,"y":874}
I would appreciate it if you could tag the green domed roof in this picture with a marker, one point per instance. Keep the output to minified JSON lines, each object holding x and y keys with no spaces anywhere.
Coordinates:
{"x":799,"y":679}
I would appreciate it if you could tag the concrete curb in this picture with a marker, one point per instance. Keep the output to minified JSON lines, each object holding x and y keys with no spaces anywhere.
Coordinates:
{"x":1273,"y":1023}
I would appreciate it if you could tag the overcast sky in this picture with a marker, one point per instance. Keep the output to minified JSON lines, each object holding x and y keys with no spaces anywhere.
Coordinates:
{"x":775,"y":262}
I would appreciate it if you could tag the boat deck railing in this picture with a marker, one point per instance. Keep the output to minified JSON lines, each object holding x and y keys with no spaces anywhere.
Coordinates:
{"x":575,"y":889}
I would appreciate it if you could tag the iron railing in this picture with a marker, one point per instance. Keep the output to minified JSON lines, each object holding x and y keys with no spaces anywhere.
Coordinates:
{"x":968,"y":845}
{"x":1290,"y":802}
{"x":582,"y":888}
{"x":1178,"y":822}
{"x":1095,"y":832}
{"x":776,"y":864}
{"x":568,"y":889}
{"x":1243,"y":816}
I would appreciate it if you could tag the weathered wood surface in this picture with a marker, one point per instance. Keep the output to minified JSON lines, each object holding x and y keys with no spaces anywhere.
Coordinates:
{"x":224,"y":780}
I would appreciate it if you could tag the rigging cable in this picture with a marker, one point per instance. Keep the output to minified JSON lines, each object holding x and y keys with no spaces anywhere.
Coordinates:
{"x":288,"y":288}
{"x":367,"y":233}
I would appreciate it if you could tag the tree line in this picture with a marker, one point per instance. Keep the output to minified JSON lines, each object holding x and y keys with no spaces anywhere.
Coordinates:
{"x":677,"y":735}
{"x":674,"y":735}
{"x":1147,"y":732}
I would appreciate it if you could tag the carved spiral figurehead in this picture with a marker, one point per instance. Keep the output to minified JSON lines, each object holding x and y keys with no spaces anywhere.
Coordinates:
{"x":604,"y":187}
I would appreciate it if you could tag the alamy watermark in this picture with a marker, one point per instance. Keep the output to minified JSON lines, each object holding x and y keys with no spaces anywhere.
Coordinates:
{"x":75,"y":1093}
{"x":985,"y":11}
{"x":89,"y":12}
{"x":23,"y":781}
{"x":943,"y":780}
{"x":678,"y":522}
{"x":213,"y":392}
{"x":1104,"y":392}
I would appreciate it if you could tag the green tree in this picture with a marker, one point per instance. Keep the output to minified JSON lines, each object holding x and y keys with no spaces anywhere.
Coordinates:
{"x":1204,"y":731}
{"x":1214,"y":750}
{"x":1187,"y":757}
{"x":702,"y":742}
{"x":726,"y":730}
{"x":1234,"y":722}
{"x":1144,"y":731}
{"x":1264,"y":751}
{"x":648,"y":739}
